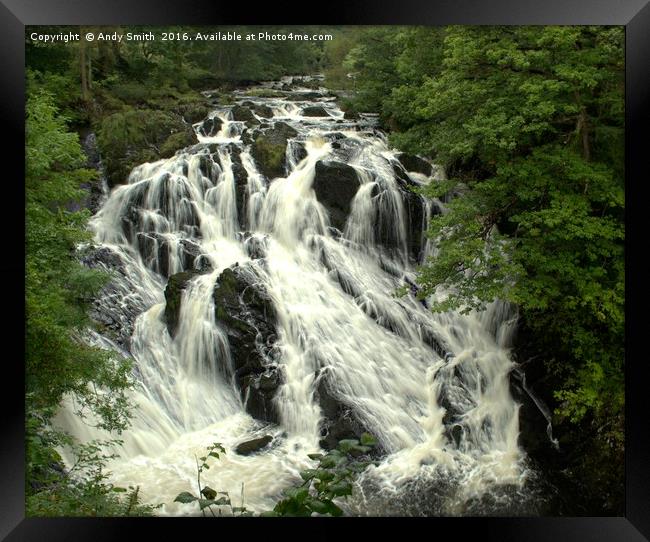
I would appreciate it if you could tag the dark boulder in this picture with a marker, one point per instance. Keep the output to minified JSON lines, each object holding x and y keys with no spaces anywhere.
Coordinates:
{"x":338,"y":422}
{"x":336,"y":184}
{"x":176,"y":284}
{"x":415,"y":215}
{"x":255,"y":244}
{"x":177,"y":141}
{"x":299,"y":151}
{"x":210,"y":127}
{"x":254,"y":445}
{"x":315,"y":111}
{"x":156,"y":252}
{"x":189,"y":252}
{"x":247,"y":137}
{"x":115,"y":307}
{"x":260,"y":110}
{"x":246,"y":313}
{"x":299,"y":96}
{"x":415,"y":163}
{"x":351,"y":115}
{"x":241,"y":183}
{"x":243,"y":114}
{"x":259,"y":391}
{"x":535,"y":428}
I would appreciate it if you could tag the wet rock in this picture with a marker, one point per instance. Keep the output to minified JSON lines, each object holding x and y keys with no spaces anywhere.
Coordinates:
{"x":243,"y":114}
{"x":336,"y":184}
{"x":189,"y":252}
{"x":260,"y":110}
{"x":338,"y":422}
{"x":245,"y":311}
{"x":269,"y":149}
{"x":350,"y":115}
{"x":178,"y":141}
{"x":247,"y":137}
{"x":415,"y":163}
{"x":415,"y":214}
{"x":254,"y":445}
{"x":259,"y":391}
{"x":255,"y":245}
{"x":533,"y":425}
{"x":315,"y":111}
{"x":299,"y":96}
{"x":115,"y":306}
{"x":102,"y":257}
{"x":210,"y":127}
{"x":176,"y":284}
{"x":209,"y":167}
{"x":299,"y":152}
{"x":241,"y":183}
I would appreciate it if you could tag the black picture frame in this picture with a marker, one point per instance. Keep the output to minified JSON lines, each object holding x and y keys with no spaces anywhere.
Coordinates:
{"x":16,"y":14}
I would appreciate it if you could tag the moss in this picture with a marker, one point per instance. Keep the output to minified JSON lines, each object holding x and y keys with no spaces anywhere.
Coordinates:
{"x":269,"y":156}
{"x":264,"y":93}
{"x":133,"y":136}
{"x":177,"y":141}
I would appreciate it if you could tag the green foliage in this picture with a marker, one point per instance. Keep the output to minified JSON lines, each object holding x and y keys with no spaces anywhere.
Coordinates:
{"x":135,"y":136}
{"x":58,"y":287}
{"x":58,"y":362}
{"x":209,"y":498}
{"x":332,"y":478}
{"x":83,"y":489}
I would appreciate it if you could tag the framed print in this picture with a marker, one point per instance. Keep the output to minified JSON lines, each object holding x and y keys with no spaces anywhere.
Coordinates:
{"x":375,"y":266}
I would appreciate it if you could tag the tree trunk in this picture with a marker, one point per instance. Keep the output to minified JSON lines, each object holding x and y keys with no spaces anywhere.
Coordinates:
{"x":583,"y":133}
{"x":85,"y":89}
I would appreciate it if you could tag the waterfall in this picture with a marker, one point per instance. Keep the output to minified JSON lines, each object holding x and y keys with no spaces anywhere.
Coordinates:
{"x":432,"y":388}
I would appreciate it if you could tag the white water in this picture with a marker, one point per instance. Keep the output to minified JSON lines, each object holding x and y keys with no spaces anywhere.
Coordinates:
{"x":372,"y":345}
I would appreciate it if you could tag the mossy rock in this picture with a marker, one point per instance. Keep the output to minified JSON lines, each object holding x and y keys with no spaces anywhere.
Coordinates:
{"x":269,"y":157}
{"x":194,"y":112}
{"x":134,"y":136}
{"x":269,"y":149}
{"x":176,"y":141}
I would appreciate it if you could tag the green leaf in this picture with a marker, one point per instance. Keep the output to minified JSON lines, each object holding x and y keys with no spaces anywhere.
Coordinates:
{"x":205,"y":503}
{"x":298,"y":494}
{"x":341,"y":489}
{"x":367,"y":439}
{"x":185,"y":498}
{"x":347,"y":444}
{"x":209,"y":493}
{"x":308,"y":474}
{"x":317,"y":506}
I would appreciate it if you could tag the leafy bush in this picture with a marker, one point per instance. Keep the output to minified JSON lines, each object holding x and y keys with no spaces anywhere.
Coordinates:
{"x":331,"y":478}
{"x":58,"y":363}
{"x":207,"y":497}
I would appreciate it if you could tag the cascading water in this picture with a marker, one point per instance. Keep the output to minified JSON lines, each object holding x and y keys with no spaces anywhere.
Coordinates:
{"x":432,"y":388}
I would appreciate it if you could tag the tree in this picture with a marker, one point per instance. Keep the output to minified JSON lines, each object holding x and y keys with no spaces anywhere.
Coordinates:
{"x":57,"y":290}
